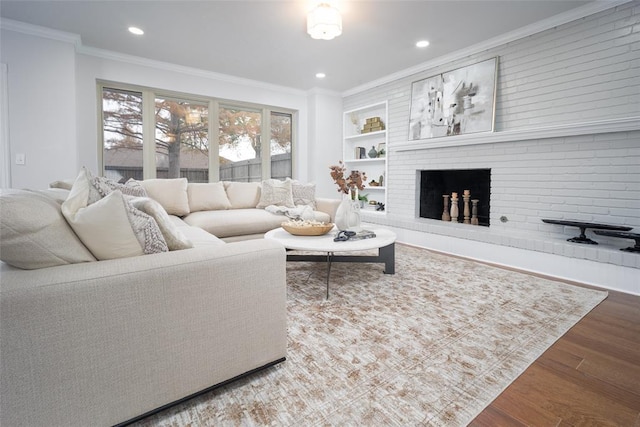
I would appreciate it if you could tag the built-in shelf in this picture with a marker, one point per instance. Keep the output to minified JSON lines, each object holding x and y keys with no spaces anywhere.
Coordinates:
{"x":366,"y":135}
{"x":357,"y":143}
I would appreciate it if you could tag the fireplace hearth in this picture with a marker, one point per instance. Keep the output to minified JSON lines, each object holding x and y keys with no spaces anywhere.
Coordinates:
{"x":436,"y":183}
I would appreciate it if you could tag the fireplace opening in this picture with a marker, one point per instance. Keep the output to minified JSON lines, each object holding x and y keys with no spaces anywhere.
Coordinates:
{"x":436,"y":183}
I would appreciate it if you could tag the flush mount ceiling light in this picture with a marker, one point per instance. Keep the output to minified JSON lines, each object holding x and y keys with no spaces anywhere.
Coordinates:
{"x":321,"y":75}
{"x":135,"y":30}
{"x":422,"y":43}
{"x":324,"y":22}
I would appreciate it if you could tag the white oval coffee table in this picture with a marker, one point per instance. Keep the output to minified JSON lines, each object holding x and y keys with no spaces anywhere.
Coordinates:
{"x":384,"y":242}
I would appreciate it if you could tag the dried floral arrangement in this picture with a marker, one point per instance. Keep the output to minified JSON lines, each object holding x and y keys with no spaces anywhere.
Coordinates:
{"x":347,"y":183}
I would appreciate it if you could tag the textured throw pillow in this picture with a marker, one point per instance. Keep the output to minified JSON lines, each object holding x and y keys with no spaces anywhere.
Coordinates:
{"x":104,"y":186}
{"x":277,"y":193}
{"x":243,"y":195}
{"x":34,"y":234}
{"x":209,"y":196}
{"x":170,"y":193}
{"x":176,"y":240}
{"x":303,"y":194}
{"x":110,"y":227}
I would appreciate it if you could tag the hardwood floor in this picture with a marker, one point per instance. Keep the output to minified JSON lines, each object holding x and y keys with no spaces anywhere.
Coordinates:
{"x":590,"y":377}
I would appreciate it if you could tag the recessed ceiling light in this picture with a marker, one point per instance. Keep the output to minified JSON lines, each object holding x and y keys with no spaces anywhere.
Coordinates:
{"x":422,"y":43}
{"x":135,"y":30}
{"x":321,"y":75}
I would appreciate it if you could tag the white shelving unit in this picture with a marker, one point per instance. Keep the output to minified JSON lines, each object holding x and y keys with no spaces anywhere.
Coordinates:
{"x":355,"y":138}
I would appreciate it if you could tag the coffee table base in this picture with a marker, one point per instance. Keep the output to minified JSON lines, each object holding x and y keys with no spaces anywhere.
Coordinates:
{"x":386,"y":255}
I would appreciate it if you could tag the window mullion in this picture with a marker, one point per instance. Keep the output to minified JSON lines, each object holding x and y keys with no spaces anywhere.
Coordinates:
{"x":148,"y":134}
{"x":265,"y":143}
{"x":214,"y":141}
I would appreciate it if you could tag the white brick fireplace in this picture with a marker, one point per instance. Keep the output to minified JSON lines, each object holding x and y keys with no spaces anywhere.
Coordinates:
{"x":566,"y":146}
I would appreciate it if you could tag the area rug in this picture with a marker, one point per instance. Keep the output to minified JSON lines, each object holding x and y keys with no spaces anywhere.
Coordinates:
{"x":432,"y":345}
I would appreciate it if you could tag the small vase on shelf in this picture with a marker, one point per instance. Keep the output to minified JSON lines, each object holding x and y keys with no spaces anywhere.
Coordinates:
{"x":373,"y":153}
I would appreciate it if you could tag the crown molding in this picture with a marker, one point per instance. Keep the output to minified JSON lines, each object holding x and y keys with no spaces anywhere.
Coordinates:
{"x":38,"y":31}
{"x":556,"y":131}
{"x":526,"y":31}
{"x":321,"y":91}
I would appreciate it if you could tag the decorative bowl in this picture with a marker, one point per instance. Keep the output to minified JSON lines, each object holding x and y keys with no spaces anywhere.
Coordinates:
{"x":307,"y":230}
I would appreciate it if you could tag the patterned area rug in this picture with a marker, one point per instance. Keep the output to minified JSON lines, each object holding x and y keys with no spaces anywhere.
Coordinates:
{"x":433,"y":344}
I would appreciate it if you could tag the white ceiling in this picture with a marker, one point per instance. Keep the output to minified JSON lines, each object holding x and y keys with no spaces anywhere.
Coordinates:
{"x":267,"y":41}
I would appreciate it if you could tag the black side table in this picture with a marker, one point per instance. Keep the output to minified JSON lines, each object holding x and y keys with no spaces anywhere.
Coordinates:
{"x":624,"y":235}
{"x":582,"y":238}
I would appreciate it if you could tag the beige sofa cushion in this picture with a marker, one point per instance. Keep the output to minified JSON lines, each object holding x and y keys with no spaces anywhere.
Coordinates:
{"x":198,"y":236}
{"x":242,"y":195}
{"x":274,"y":192}
{"x":111,"y":227}
{"x":207,"y":196}
{"x":235,"y":222}
{"x":34,"y":234}
{"x":64,"y":184}
{"x":170,"y":193}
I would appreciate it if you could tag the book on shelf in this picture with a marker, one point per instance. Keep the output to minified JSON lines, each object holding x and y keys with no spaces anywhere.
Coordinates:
{"x":360,"y":153}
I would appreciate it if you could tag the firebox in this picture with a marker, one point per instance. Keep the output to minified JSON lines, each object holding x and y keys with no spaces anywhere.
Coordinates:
{"x":434,"y":184}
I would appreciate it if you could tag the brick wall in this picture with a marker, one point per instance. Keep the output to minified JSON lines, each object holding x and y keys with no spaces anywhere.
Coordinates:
{"x":583,"y":72}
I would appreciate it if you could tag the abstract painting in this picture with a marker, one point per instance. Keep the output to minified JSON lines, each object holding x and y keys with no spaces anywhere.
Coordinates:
{"x":457,"y":102}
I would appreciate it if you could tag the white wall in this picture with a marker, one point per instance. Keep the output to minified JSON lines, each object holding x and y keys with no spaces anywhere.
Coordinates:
{"x":325,"y":139}
{"x":53,"y":105}
{"x":42,"y":107}
{"x":558,"y":84}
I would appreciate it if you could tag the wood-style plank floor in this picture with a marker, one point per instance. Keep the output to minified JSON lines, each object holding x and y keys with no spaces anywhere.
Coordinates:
{"x":590,"y":377}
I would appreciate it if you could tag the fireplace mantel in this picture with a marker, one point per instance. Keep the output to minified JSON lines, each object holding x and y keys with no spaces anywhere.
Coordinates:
{"x":556,"y":131}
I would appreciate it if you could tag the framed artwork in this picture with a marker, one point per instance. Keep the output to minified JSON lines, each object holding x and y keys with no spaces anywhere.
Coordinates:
{"x":457,"y":102}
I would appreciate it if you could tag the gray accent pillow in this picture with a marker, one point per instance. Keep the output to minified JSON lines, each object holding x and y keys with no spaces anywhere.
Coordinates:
{"x":277,"y":193}
{"x":175,"y":239}
{"x":34,"y":234}
{"x":304,"y":194}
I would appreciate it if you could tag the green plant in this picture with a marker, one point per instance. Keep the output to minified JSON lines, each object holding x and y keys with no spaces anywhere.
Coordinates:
{"x":363,"y":197}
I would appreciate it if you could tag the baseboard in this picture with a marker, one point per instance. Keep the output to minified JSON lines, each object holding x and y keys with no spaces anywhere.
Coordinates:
{"x":199,"y":393}
{"x":582,"y":271}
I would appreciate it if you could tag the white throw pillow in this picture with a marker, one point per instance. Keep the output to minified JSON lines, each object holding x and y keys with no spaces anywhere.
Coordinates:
{"x":110,"y":227}
{"x":303,"y":194}
{"x":176,"y":240}
{"x":243,"y":195}
{"x":170,"y":193}
{"x":276,"y":193}
{"x":209,"y":196}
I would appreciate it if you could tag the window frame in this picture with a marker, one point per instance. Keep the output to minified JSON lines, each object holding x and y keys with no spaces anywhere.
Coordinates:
{"x":149,"y":95}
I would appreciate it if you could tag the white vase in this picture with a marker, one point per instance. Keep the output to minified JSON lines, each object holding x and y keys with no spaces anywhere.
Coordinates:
{"x":348,"y":215}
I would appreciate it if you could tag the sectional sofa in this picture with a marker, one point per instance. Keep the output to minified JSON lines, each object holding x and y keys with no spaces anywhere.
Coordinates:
{"x":92,"y":335}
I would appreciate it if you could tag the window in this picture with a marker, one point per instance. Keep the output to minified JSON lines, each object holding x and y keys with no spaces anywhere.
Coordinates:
{"x":182,"y":140}
{"x":239,"y":144}
{"x":280,"y":146}
{"x":122,"y":134}
{"x":147,"y":133}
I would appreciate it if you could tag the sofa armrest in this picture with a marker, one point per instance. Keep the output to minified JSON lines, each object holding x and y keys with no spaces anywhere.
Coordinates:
{"x":329,"y":206}
{"x":102,"y":342}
